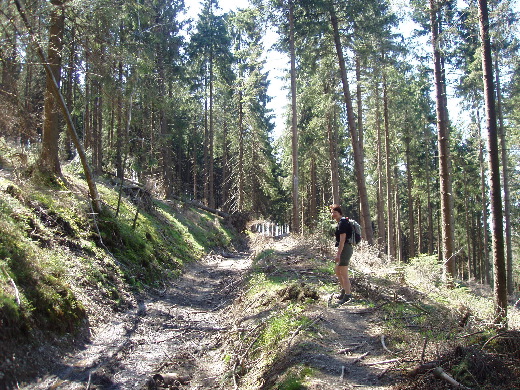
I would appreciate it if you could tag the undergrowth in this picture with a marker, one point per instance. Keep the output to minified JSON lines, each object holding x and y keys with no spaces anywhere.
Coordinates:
{"x":56,"y":258}
{"x":419,"y":319}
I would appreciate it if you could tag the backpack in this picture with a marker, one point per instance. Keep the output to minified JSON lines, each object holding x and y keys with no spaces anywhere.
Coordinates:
{"x":356,"y":232}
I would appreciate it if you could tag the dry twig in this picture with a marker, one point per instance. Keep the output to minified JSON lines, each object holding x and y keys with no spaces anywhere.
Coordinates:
{"x":441,"y":374}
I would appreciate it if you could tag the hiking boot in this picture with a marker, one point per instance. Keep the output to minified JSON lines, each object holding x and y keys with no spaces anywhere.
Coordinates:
{"x":346,"y":298}
{"x":341,"y":294}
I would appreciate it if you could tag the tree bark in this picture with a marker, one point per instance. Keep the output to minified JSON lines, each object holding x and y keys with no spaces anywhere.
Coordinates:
{"x":484,"y":207}
{"x":500,"y":286}
{"x":444,"y":158}
{"x":294,"y":123}
{"x":333,"y":158}
{"x":390,"y":240}
{"x":380,"y":176}
{"x":49,"y":157}
{"x":359,"y":166}
{"x":409,"y":187}
{"x":505,"y":178}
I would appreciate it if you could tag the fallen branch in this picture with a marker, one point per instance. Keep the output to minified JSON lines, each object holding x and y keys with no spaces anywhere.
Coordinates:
{"x":494,"y":337}
{"x":384,"y":345}
{"x":302,"y":326}
{"x":383,"y":362}
{"x":422,"y":368}
{"x":424,"y":349}
{"x":359,"y":358}
{"x":16,"y":292}
{"x":441,"y":374}
{"x":352,"y":349}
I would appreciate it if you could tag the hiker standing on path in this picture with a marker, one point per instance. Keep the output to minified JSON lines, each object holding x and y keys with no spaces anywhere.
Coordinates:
{"x":344,"y":253}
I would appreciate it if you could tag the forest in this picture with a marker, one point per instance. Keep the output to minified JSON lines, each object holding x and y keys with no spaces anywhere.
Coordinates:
{"x":417,"y":136}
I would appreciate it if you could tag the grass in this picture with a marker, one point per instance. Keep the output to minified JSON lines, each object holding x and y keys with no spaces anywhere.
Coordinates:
{"x":54,"y":253}
{"x":416,"y":313}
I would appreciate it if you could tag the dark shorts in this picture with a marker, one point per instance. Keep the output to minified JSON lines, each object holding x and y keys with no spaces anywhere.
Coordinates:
{"x":346,"y":254}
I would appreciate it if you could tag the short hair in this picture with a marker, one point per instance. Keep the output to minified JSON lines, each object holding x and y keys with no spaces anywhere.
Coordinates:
{"x":336,"y":207}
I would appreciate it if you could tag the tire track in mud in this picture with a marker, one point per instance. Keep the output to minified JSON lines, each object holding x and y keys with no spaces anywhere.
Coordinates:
{"x":177,"y":331}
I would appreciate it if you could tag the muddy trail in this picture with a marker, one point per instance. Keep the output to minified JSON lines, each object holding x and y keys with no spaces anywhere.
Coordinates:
{"x":176,"y":331}
{"x":177,"y":339}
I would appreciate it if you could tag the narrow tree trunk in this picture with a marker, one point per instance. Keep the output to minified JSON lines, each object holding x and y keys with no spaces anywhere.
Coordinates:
{"x":380,"y":177}
{"x":295,"y":213}
{"x":119,"y":124}
{"x":240,"y":153}
{"x":391,"y":250}
{"x":356,"y":147}
{"x":205,"y":167}
{"x":333,"y":158}
{"x":444,"y":158}
{"x":397,"y":208}
{"x":468,"y":225}
{"x":71,"y":70}
{"x":95,"y":128}
{"x":420,"y":244}
{"x":484,"y":207}
{"x":409,"y":187}
{"x":360,"y":130}
{"x":500,"y":287}
{"x":313,"y":194}
{"x":505,"y":179}
{"x":211,"y":173}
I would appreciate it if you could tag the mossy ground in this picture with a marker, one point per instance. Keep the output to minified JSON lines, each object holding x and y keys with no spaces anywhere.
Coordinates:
{"x":56,"y":256}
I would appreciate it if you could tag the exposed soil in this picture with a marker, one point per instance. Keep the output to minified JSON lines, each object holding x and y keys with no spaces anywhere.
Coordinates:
{"x":176,"y":331}
{"x":178,"y":338}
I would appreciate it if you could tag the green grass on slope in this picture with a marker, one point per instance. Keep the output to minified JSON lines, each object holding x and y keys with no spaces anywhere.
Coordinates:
{"x":52,"y":252}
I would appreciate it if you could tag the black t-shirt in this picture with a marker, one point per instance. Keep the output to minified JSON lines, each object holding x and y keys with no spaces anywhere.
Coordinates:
{"x":343,"y":227}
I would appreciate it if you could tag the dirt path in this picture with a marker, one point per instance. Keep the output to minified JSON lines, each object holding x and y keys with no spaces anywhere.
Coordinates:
{"x":176,"y":331}
{"x":180,"y":331}
{"x":347,"y":352}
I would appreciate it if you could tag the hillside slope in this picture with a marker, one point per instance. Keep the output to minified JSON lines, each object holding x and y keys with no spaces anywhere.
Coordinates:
{"x":64,"y":271}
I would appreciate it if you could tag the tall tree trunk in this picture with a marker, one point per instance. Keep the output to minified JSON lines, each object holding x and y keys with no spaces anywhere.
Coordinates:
{"x":359,"y":165}
{"x":391,"y":249}
{"x":119,"y":125}
{"x":444,"y":158}
{"x":95,"y":128}
{"x":420,"y":244}
{"x":240,"y":153}
{"x":71,"y":70}
{"x":397,"y":208}
{"x":360,"y":131}
{"x":99,"y":166}
{"x":333,"y":157}
{"x":484,"y":207}
{"x":505,"y":178}
{"x":468,"y":224}
{"x":226,"y":169}
{"x":205,"y":168}
{"x":295,"y":207}
{"x":409,"y":187}
{"x":49,"y":158}
{"x":500,"y":286}
{"x":380,"y":177}
{"x":211,"y":173}
{"x":313,"y":194}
